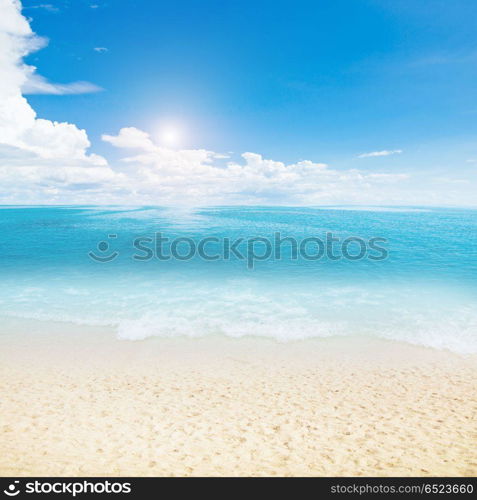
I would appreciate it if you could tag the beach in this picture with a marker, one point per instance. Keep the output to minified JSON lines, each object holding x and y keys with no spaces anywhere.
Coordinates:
{"x":238,"y":239}
{"x":76,"y":401}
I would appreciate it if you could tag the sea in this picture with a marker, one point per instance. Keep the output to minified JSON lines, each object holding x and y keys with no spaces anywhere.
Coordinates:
{"x":407,"y":274}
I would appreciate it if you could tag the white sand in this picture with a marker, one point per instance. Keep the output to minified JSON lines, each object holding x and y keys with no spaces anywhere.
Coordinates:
{"x":82,"y":403}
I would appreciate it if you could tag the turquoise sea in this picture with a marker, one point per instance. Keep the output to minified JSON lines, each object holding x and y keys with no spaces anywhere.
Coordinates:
{"x":424,"y":291}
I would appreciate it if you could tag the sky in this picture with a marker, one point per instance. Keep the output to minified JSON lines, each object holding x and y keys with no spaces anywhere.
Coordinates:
{"x":208,"y":102}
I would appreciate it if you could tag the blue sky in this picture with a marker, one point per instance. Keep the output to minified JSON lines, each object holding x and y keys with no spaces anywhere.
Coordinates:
{"x":291,"y":79}
{"x":324,"y":81}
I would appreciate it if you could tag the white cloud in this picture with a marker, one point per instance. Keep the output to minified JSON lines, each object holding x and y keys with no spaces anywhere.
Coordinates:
{"x":44,"y":161}
{"x":16,"y":41}
{"x":380,"y":153}
{"x":130,"y":138}
{"x":101,"y":50}
{"x":19,"y":126}
{"x":35,"y":151}
{"x":44,"y":6}
{"x":37,"y":84}
{"x":159,"y":175}
{"x":166,"y":176}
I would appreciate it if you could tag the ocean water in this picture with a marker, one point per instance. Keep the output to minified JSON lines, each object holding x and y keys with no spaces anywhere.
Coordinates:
{"x":424,"y":292}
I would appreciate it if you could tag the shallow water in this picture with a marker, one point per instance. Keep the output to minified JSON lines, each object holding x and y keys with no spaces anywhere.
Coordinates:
{"x":424,"y":292}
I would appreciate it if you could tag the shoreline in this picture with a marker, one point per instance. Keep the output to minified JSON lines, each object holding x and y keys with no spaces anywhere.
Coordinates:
{"x":78,"y":402}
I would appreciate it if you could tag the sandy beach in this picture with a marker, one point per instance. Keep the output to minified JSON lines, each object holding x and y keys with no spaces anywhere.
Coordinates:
{"x":79,"y":402}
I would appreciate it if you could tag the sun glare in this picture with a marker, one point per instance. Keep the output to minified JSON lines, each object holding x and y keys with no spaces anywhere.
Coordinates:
{"x":170,"y":136}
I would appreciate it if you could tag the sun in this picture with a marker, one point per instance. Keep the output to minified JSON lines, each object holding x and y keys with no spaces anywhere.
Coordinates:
{"x":170,"y":135}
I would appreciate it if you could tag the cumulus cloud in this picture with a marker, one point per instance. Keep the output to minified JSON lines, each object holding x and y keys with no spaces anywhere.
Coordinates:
{"x":44,"y":161}
{"x":17,"y":41}
{"x":32,"y":148}
{"x":380,"y":153}
{"x":19,"y":126}
{"x":167,"y":176}
{"x":130,"y":138}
